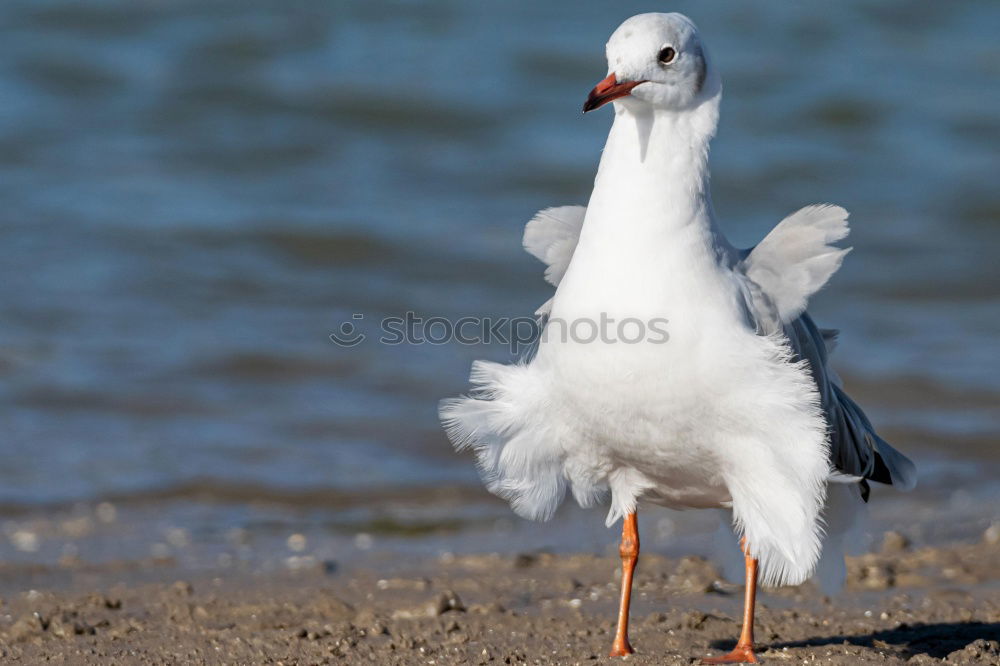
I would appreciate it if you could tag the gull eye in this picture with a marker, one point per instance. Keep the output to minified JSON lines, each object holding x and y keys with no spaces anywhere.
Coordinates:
{"x":666,"y":55}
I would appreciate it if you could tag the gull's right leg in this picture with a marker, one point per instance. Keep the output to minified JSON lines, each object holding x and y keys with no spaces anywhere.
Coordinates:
{"x":629,"y":551}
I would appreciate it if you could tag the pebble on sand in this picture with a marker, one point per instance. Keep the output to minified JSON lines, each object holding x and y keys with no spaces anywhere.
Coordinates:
{"x":296,"y":543}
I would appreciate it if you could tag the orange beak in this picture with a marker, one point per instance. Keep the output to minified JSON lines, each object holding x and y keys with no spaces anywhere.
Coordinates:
{"x":608,"y":90}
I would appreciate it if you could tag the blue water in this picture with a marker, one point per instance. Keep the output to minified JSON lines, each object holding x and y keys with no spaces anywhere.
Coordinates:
{"x":195,"y":195}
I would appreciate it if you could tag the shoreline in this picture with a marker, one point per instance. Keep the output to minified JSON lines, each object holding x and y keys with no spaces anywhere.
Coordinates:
{"x":901,"y":604}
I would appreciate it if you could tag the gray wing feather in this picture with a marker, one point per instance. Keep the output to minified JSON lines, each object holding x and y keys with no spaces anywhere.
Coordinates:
{"x":855,"y":448}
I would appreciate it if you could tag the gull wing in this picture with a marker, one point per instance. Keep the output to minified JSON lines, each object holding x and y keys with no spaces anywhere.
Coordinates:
{"x":795,"y":260}
{"x":778,"y":276}
{"x":551,"y":236}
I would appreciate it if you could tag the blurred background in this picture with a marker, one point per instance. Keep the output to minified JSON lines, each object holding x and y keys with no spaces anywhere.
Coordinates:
{"x":195,"y":195}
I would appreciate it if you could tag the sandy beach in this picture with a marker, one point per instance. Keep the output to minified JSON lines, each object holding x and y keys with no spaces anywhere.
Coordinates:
{"x":900,"y":605}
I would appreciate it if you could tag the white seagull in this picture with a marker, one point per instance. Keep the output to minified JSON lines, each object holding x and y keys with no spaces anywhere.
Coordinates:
{"x":708,"y":386}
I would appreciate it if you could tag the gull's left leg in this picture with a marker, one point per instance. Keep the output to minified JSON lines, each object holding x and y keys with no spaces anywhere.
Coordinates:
{"x":629,"y":551}
{"x":743,"y":652}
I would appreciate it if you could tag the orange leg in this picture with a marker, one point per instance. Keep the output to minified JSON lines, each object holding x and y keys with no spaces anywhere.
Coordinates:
{"x":743,"y":652}
{"x":629,"y":551}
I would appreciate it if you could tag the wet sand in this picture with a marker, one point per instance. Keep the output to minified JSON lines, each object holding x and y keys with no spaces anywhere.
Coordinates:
{"x":901,"y":605}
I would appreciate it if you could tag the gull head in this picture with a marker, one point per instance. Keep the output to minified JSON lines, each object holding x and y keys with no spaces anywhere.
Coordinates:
{"x":656,"y":60}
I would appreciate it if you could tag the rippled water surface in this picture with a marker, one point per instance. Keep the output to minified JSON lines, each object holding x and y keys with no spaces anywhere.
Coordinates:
{"x":195,"y":195}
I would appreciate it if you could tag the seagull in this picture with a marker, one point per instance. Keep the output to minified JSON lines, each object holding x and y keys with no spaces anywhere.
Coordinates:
{"x":673,"y":368}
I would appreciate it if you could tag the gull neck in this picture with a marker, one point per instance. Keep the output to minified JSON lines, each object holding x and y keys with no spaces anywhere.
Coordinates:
{"x":655,"y":164}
